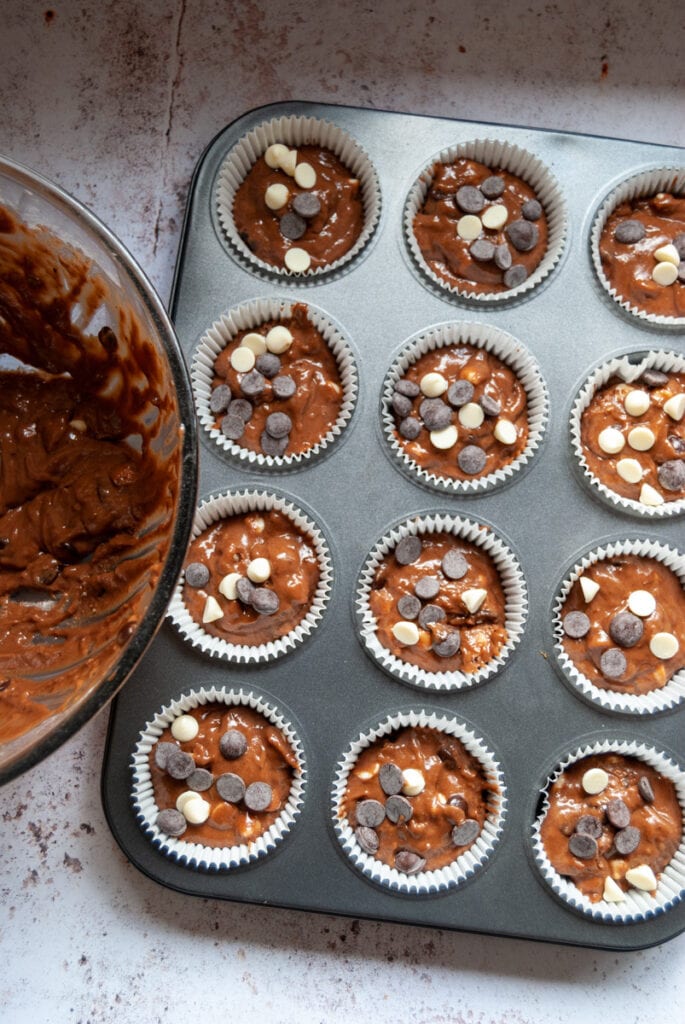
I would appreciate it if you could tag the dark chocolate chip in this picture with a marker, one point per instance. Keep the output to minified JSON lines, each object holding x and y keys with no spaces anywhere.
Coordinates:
{"x":199,"y":780}
{"x":582,"y":846}
{"x":612,"y":663}
{"x":627,"y":840}
{"x":503,"y":258}
{"x":258,"y":796}
{"x":629,"y":231}
{"x":244,"y":589}
{"x":514,"y":276}
{"x":626,"y":629}
{"x":278,"y":424}
{"x":409,"y":862}
{"x":470,"y":199}
{"x":576,"y":625}
{"x":307,"y":205}
{"x":108,"y":339}
{"x":232,"y":744}
{"x":179,"y":765}
{"x":459,"y":393}
{"x":283,"y":386}
{"x":292,"y":226}
{"x":408,"y":388}
{"x":435,"y":414}
{"x":367,"y":839}
{"x":410,"y":428}
{"x":370,"y":813}
{"x":232,"y":427}
{"x":408,"y":550}
{"x":671,"y":475}
{"x":220,"y":399}
{"x":448,"y":645}
{"x":265,"y":601}
{"x":471,"y":459}
{"x":268,"y":364}
{"x":492,"y":187}
{"x":429,"y":614}
{"x":252,"y":384}
{"x":409,"y":607}
{"x":677,"y":443}
{"x":230,"y":788}
{"x":490,"y":406}
{"x":427,"y":588}
{"x":196,"y":574}
{"x":588,"y":825}
{"x":679,"y":242}
{"x":401,"y":405}
{"x":454,"y":565}
{"x":618,"y":813}
{"x":390,"y":778}
{"x":523,"y":235}
{"x":171,"y":822}
{"x":241,"y":407}
{"x":162,"y":751}
{"x":465,"y":833}
{"x":398,"y":809}
{"x":482,"y":250}
{"x":644,"y":788}
{"x":457,"y":800}
{"x":654,"y":378}
{"x":681,"y":271}
{"x":531,"y":210}
{"x":275,"y":447}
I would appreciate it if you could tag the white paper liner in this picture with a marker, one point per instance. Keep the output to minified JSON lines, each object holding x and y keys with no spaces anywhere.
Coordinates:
{"x":628,"y":370}
{"x":637,"y":906}
{"x":463,"y":866}
{"x":293,"y":132}
{"x":511,"y":352}
{"x":494,"y":153}
{"x":670,"y":695}
{"x":251,"y":316}
{"x":513,"y":585}
{"x":239,"y":503}
{"x":639,"y":186}
{"x":197,"y":855}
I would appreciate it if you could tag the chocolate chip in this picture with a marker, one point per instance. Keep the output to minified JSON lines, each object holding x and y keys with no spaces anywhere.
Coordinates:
{"x":654,"y":378}
{"x":232,"y":744}
{"x":264,"y":601}
{"x":409,"y":607}
{"x":410,"y":428}
{"x":408,"y":550}
{"x":196,"y":574}
{"x":618,"y":813}
{"x":677,"y":443}
{"x":492,"y":187}
{"x":515,"y":276}
{"x":470,"y":199}
{"x":367,"y":839}
{"x":283,"y":386}
{"x":465,"y":833}
{"x":448,"y":645}
{"x":258,"y":796}
{"x":454,"y":565}
{"x":278,"y":424}
{"x":268,"y":364}
{"x":292,"y":226}
{"x":576,"y":625}
{"x":490,"y":406}
{"x":482,"y":250}
{"x":233,"y":427}
{"x":459,"y":393}
{"x":582,"y":846}
{"x":627,"y":840}
{"x":275,"y":447}
{"x":171,"y":822}
{"x":644,"y":788}
{"x":435,"y":414}
{"x":671,"y":475}
{"x":252,"y":384}
{"x":401,"y":404}
{"x":626,"y":629}
{"x":503,"y":258}
{"x":427,"y":588}
{"x":408,"y":862}
{"x":179,"y":765}
{"x":531,"y":210}
{"x":220,"y":399}
{"x":245,"y":589}
{"x":398,"y":809}
{"x":370,"y":813}
{"x":679,"y":243}
{"x":681,"y":271}
{"x":307,"y":205}
{"x":408,"y":388}
{"x":523,"y":235}
{"x":390,"y":778}
{"x":199,"y":780}
{"x":588,"y":825}
{"x":612,"y":663}
{"x":162,"y":751}
{"x":471,"y":459}
{"x":230,"y":788}
{"x":457,"y":800}
{"x":429,"y":614}
{"x":241,"y":407}
{"x":629,"y":231}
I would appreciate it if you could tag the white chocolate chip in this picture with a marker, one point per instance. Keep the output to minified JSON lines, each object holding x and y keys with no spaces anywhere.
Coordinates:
{"x":636,"y":402}
{"x":227,"y":586}
{"x":629,"y":470}
{"x":406,"y":633}
{"x":305,"y":175}
{"x":444,"y":439}
{"x":242,"y":359}
{"x":255,"y":342}
{"x":664,"y":646}
{"x":196,"y":811}
{"x":494,"y":217}
{"x":276,"y":196}
{"x":611,"y":440}
{"x":642,"y":603}
{"x":183,"y":798}
{"x":258,"y":524}
{"x":642,"y":877}
{"x":650,"y":496}
{"x":667,"y":254}
{"x":433,"y":384}
{"x":589,"y":587}
{"x":184,"y":728}
{"x":297,"y":260}
{"x":279,"y":339}
{"x":505,"y":432}
{"x":259,"y":570}
{"x":212,"y":610}
{"x":413,"y":782}
{"x":641,"y":439}
{"x":474,"y":599}
{"x":274,"y":154}
{"x":471,"y":415}
{"x":675,"y":406}
{"x":594,"y":781}
{"x":79,"y":425}
{"x":469,"y":227}
{"x":613,"y":893}
{"x":665,"y":273}
{"x":288,"y":161}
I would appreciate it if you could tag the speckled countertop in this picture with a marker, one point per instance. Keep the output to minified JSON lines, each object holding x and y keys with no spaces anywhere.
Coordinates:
{"x":116,"y":102}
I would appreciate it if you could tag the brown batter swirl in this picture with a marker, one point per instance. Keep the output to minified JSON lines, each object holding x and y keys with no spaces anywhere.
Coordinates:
{"x":659,"y":822}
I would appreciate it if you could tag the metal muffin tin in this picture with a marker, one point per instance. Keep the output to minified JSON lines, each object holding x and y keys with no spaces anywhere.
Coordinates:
{"x":329,"y":688}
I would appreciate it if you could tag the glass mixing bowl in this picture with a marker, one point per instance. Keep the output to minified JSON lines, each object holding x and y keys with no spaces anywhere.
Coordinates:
{"x":58,"y":669}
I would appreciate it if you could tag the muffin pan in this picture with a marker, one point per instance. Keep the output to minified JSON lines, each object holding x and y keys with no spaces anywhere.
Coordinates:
{"x":328,"y":687}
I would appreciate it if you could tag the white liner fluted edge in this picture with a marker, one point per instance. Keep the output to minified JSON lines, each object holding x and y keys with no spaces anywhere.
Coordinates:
{"x":296,"y":131}
{"x":242,"y":502}
{"x":250,"y":316}
{"x":511,"y":578}
{"x":637,"y":906}
{"x":494,"y":153}
{"x":463,"y":866}
{"x":511,"y":352}
{"x":621,"y":366}
{"x":197,"y":855}
{"x":638,"y":186}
